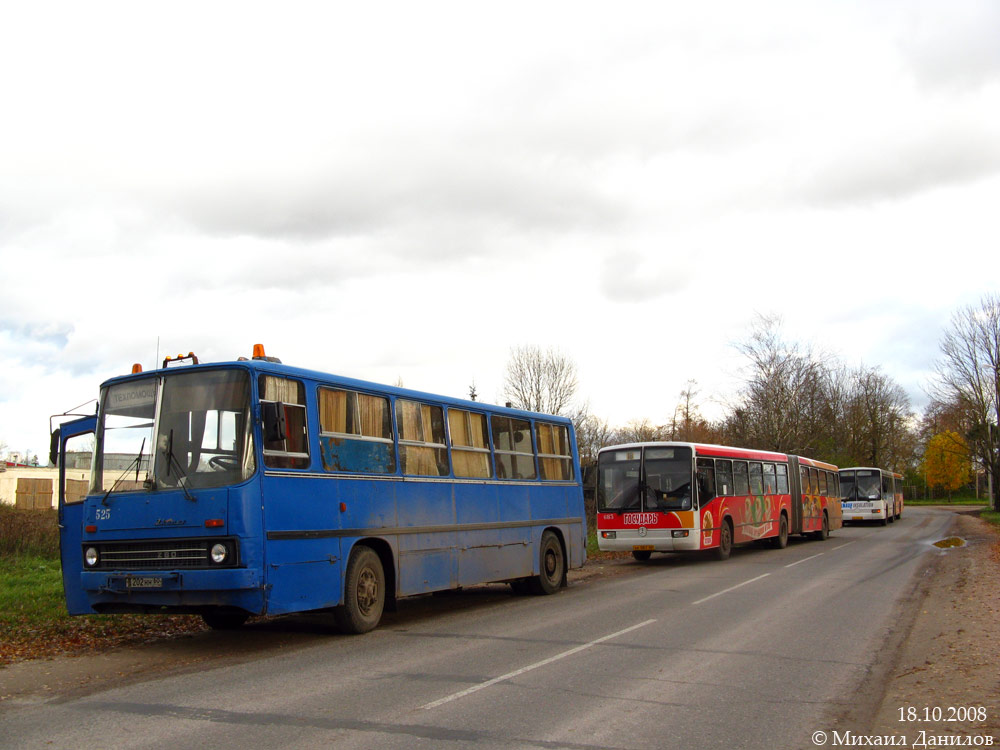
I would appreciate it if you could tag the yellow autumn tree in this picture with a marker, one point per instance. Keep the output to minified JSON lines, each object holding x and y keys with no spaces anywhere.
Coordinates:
{"x":946,"y":462}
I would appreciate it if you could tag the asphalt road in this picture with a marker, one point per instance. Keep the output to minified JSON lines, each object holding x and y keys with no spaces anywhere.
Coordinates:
{"x":760,"y":651}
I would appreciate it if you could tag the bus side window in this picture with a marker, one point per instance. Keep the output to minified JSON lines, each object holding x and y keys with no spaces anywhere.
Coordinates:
{"x":512,"y":444}
{"x":770,"y":486}
{"x":741,"y":480}
{"x":422,"y":449}
{"x":470,"y":444}
{"x":706,"y":481}
{"x":782,"y":479}
{"x":823,"y":483}
{"x":283,"y":403}
{"x":355,"y":432}
{"x":723,"y":477}
{"x":554,"y":456}
{"x":804,"y":475}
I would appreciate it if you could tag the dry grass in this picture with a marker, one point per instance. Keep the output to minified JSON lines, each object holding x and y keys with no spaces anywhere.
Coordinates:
{"x":28,"y":532}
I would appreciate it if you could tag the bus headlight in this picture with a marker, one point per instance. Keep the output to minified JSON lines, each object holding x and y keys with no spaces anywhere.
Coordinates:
{"x":679,"y":534}
{"x":608,"y":534}
{"x":219,"y":553}
{"x":91,"y":557}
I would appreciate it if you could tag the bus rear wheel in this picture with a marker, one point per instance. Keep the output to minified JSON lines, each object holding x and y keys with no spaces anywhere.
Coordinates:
{"x":824,"y":531}
{"x":551,"y":565}
{"x":364,"y":592}
{"x":725,"y":547}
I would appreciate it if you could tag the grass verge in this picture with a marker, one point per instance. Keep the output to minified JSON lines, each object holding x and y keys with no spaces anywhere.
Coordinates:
{"x":953,"y":501}
{"x":992,"y":516}
{"x":34,"y":623}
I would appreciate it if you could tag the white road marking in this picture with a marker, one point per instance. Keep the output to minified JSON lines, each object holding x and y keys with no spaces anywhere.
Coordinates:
{"x":731,"y":588}
{"x":791,"y":565}
{"x":536,"y":665}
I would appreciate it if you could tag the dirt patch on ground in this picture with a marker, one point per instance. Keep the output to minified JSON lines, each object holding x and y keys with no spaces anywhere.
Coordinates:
{"x":949,"y":665}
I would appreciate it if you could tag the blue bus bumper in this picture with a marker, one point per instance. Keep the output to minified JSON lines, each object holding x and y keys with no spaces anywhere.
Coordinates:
{"x":175,"y":591}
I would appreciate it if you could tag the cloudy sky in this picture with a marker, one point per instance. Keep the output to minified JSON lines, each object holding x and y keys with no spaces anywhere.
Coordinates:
{"x":409,"y":190}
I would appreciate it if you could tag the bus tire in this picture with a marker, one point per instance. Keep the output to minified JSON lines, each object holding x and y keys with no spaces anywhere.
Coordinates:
{"x":824,"y":531}
{"x":224,"y":619}
{"x":725,"y":547}
{"x":551,"y":565}
{"x":781,"y":541}
{"x":641,"y":554}
{"x":364,"y":592}
{"x":884,"y":521}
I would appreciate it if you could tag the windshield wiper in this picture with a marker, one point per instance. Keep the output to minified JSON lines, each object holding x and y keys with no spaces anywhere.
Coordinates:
{"x":172,"y":461}
{"x":138,"y":465}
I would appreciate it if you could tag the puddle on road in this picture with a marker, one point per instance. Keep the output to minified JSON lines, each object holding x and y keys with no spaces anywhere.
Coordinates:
{"x":952,"y":541}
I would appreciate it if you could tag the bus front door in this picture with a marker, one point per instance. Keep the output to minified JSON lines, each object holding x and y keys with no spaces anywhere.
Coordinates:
{"x":71,"y":509}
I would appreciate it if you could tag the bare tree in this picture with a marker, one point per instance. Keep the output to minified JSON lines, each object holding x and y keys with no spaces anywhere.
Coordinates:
{"x":540,"y":381}
{"x":969,"y":374}
{"x":797,"y":401}
{"x":640,"y":431}
{"x":687,"y":423}
{"x":881,"y":411}
{"x":781,"y":401}
{"x":592,"y":434}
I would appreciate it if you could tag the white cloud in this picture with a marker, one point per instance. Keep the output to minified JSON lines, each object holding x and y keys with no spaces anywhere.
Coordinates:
{"x":396,"y":190}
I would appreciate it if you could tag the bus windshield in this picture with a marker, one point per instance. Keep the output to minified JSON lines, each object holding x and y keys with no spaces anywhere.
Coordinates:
{"x":657,"y":479}
{"x":668,"y":478}
{"x":183,"y":429}
{"x":861,"y":485}
{"x":618,"y":480}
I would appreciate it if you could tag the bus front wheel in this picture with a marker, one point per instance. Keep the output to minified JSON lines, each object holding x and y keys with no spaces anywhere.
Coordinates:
{"x":364,"y":592}
{"x":551,"y":567}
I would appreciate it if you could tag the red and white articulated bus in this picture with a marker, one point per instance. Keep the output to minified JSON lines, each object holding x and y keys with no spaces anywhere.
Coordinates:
{"x":672,"y":497}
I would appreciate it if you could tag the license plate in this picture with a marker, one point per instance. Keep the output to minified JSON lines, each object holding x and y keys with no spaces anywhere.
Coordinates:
{"x":857,"y":518}
{"x":143,"y":582}
{"x":642,"y":547}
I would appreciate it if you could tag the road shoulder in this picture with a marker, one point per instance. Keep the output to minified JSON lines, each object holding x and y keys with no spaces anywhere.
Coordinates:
{"x":949,"y":658}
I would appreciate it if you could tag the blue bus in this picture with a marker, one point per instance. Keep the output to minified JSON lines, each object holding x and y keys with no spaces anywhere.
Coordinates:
{"x":251,"y":487}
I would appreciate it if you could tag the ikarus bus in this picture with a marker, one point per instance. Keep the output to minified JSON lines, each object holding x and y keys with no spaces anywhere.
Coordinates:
{"x":251,"y":487}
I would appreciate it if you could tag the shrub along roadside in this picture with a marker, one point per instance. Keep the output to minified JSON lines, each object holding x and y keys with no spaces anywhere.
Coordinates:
{"x":28,"y":532}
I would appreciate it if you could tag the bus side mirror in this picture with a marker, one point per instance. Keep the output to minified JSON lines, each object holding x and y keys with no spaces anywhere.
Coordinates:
{"x":273,"y":416}
{"x":54,"y":447}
